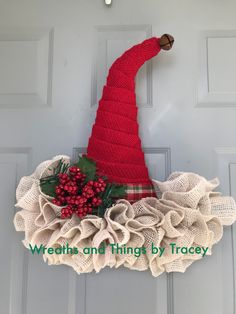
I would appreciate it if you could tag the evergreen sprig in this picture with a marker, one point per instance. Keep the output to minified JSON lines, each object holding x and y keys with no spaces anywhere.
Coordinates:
{"x":48,"y":184}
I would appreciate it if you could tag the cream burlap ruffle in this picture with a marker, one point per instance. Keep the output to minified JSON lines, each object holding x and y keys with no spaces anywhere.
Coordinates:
{"x":188,"y":214}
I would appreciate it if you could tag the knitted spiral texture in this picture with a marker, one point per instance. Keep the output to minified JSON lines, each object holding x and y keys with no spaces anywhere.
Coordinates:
{"x":115,"y":144}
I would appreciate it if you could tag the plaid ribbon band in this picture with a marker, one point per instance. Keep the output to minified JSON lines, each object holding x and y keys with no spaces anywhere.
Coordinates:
{"x":137,"y":192}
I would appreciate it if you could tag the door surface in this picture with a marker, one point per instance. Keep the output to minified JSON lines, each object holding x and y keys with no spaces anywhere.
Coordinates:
{"x":54,"y":56}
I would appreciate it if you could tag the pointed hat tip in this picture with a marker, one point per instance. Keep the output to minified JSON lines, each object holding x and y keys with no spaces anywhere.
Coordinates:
{"x":166,"y":41}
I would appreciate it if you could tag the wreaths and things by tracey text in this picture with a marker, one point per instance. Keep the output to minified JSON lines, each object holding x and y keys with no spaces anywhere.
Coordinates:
{"x":119,"y":249}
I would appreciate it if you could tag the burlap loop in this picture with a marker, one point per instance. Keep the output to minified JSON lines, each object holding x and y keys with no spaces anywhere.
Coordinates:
{"x":189,"y":213}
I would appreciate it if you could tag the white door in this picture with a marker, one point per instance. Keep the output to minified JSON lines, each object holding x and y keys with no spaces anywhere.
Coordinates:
{"x":54,"y":56}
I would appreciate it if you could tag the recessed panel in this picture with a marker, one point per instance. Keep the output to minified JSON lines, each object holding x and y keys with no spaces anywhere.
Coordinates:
{"x":18,"y":67}
{"x":222,"y":64}
{"x":158,"y":162}
{"x":217,"y":69}
{"x":232,"y":170}
{"x":25,"y":68}
{"x":13,"y":164}
{"x":7,"y":180}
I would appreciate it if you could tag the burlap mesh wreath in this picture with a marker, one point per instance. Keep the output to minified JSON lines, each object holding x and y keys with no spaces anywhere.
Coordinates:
{"x":188,"y":213}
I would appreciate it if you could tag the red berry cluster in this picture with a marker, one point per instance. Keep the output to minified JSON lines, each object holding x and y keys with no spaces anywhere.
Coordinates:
{"x":76,"y":196}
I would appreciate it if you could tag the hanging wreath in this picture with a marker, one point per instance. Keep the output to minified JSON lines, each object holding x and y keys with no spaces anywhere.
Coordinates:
{"x":103,"y":209}
{"x":188,"y":215}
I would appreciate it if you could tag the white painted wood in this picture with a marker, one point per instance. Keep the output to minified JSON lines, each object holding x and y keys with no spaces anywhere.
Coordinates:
{"x":26,"y":67}
{"x":216,"y":86}
{"x":232,"y":171}
{"x":13,"y":164}
{"x":221,"y":72}
{"x":127,"y":293}
{"x":53,"y":61}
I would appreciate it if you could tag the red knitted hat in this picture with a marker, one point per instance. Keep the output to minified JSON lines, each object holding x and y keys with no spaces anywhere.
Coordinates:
{"x":114,"y":143}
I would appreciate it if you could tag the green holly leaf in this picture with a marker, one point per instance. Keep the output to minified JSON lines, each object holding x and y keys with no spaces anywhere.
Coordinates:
{"x":117,"y":191}
{"x":88,"y":167}
{"x":48,"y":187}
{"x":112,"y":192}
